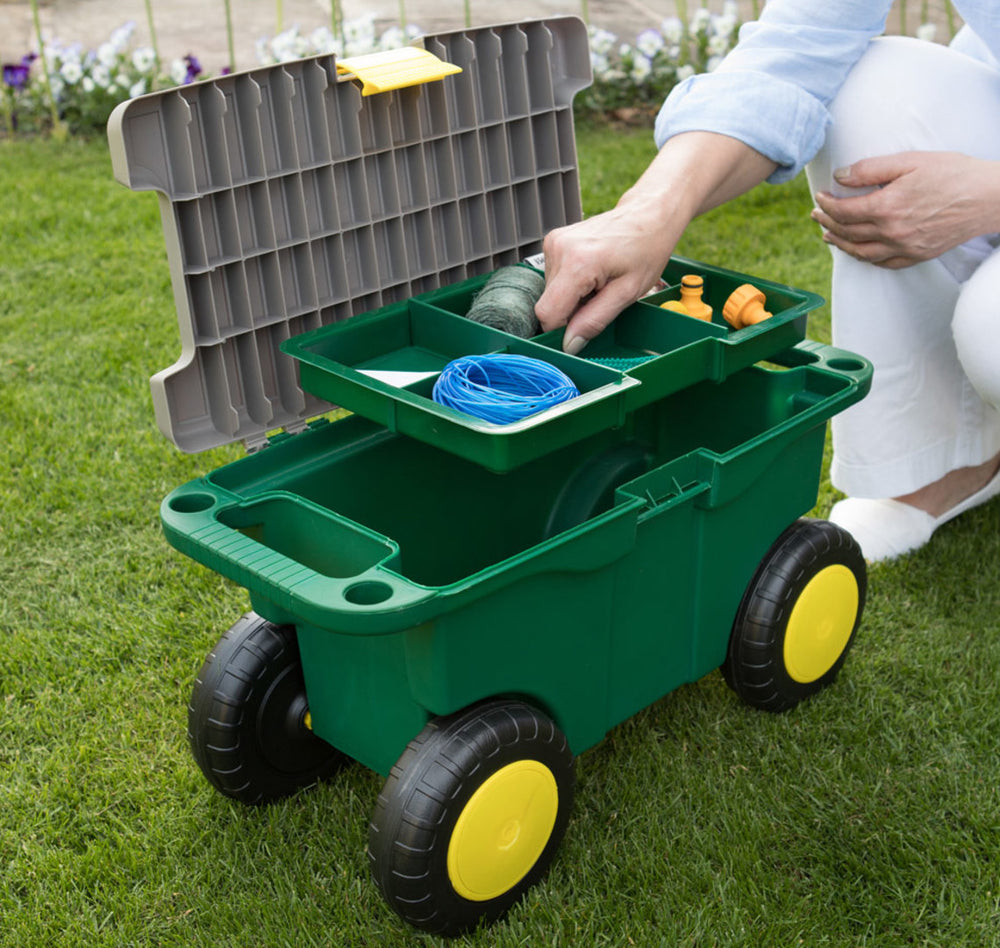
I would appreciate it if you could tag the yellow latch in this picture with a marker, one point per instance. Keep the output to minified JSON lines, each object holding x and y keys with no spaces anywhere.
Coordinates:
{"x":394,"y":69}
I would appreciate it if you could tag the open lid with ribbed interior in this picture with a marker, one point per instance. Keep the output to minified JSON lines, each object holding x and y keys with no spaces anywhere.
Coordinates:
{"x":291,"y":201}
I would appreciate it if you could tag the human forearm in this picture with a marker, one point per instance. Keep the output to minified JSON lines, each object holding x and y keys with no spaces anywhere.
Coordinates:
{"x":696,"y":171}
{"x":596,"y":268}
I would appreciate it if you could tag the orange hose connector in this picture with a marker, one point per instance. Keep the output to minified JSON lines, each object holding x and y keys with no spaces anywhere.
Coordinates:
{"x":745,"y":307}
{"x":690,"y":303}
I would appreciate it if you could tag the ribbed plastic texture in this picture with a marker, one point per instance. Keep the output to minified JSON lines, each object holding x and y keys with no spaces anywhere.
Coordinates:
{"x":290,"y":203}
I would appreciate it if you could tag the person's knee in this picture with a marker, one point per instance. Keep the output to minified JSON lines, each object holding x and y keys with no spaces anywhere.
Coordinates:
{"x":877,"y":111}
{"x":976,"y":329}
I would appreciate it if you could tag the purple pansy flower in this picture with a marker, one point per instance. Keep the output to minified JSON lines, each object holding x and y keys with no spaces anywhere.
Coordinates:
{"x":193,"y":68}
{"x":16,"y":75}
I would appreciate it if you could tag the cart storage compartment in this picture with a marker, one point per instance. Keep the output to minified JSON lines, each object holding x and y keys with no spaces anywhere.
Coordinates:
{"x":450,"y":518}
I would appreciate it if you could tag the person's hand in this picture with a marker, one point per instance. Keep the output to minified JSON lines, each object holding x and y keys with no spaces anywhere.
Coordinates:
{"x":923,"y":204}
{"x":595,"y":268}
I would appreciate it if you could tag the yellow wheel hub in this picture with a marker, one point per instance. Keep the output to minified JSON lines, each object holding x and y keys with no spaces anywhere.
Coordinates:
{"x":502,"y":830}
{"x":820,"y":624}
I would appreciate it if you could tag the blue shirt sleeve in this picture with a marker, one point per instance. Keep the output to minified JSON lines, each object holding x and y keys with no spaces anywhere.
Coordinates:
{"x":773,"y":89}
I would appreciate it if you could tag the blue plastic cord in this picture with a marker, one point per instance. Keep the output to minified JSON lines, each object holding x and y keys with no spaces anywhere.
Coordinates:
{"x":502,"y":388}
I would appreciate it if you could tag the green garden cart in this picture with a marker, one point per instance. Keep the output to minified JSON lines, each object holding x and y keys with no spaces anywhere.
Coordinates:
{"x":461,"y":606}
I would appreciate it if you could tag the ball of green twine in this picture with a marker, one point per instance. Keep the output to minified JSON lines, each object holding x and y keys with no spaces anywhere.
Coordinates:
{"x":507,"y":301}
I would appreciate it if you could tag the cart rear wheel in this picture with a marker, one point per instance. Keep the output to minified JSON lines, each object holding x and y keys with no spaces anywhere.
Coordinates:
{"x":590,"y":490}
{"x":471,"y":815}
{"x":248,"y":723}
{"x":798,"y":616}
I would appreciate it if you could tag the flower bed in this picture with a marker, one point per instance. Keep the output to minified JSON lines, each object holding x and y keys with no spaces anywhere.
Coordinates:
{"x":80,"y":88}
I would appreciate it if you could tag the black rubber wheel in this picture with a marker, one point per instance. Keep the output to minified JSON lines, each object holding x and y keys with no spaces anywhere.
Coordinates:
{"x":798,"y":617}
{"x":471,"y":815}
{"x":590,"y":490}
{"x":247,"y":720}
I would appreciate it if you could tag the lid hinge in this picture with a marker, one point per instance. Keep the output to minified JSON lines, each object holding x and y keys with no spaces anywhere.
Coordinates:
{"x":255,"y":443}
{"x":260,"y":441}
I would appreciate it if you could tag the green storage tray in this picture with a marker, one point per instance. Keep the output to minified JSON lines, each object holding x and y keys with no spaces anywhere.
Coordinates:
{"x":383,"y":364}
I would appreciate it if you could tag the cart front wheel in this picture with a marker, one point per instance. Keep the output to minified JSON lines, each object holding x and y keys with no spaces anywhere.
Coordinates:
{"x":798,"y":617}
{"x":471,"y":815}
{"x":248,"y":723}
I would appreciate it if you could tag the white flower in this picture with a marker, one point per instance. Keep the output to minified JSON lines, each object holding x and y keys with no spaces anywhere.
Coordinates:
{"x":101,"y":75}
{"x":138,"y":88}
{"x":121,"y":37}
{"x":731,"y":8}
{"x":263,"y":48}
{"x":71,"y":72}
{"x":288,"y":45}
{"x":602,"y":41}
{"x":87,"y":84}
{"x":649,"y":42}
{"x":701,"y":20}
{"x":144,"y":58}
{"x":599,"y":64}
{"x":927,"y":31}
{"x":641,"y":68}
{"x":718,"y":45}
{"x":685,"y":72}
{"x":53,"y":56}
{"x":178,"y":71}
{"x":122,"y":81}
{"x":393,"y":38}
{"x":359,"y":35}
{"x":107,"y":55}
{"x":322,"y":40}
{"x":672,"y":30}
{"x":56,"y":86}
{"x":724,"y":25}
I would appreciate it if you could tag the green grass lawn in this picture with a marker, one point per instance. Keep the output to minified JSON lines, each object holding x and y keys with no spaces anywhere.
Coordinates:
{"x":868,"y":816}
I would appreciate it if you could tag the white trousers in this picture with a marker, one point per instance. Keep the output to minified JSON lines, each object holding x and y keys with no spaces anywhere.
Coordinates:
{"x":931,"y":330}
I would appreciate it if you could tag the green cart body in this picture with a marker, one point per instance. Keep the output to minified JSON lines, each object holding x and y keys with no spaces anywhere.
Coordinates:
{"x":420,"y":583}
{"x":584,"y":562}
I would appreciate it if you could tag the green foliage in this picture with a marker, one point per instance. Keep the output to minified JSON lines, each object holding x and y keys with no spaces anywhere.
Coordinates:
{"x":867,"y":817}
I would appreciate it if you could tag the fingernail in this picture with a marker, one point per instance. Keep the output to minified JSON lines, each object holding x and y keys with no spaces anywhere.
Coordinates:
{"x":574,"y":345}
{"x":842,"y":173}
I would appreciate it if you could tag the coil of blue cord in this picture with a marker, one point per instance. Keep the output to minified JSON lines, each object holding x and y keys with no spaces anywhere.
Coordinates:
{"x":502,"y":388}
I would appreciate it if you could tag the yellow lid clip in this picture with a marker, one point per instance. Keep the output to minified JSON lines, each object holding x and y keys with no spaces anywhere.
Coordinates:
{"x":394,"y":69}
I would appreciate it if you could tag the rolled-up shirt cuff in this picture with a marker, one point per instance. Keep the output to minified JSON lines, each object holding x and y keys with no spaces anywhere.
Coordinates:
{"x":789,"y":130}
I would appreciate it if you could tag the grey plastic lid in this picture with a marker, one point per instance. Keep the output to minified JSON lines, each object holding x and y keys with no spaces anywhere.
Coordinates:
{"x":289,"y":202}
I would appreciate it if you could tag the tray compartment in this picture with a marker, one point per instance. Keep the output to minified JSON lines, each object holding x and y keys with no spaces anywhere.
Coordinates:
{"x":343,"y":364}
{"x":312,"y":535}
